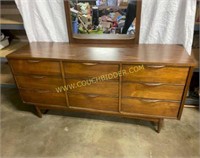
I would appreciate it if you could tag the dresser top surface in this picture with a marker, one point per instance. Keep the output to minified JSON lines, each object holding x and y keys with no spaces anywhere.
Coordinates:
{"x":142,"y":53}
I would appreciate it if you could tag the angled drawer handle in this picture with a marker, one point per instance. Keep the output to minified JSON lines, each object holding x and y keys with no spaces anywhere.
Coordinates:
{"x":33,"y":61}
{"x":149,"y":100}
{"x":90,"y":64}
{"x":153,"y":84}
{"x":156,"y":66}
{"x":93,"y":95}
{"x":38,"y":77}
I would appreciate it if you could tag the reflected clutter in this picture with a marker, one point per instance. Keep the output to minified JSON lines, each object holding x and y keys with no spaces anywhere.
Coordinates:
{"x":114,"y":18}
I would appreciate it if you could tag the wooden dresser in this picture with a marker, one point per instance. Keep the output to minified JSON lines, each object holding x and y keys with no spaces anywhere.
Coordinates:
{"x":156,"y":92}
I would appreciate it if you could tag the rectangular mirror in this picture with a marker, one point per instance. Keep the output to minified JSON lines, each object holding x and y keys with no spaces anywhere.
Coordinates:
{"x":102,"y":21}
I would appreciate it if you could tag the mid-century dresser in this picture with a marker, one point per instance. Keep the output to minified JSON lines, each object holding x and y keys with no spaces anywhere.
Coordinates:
{"x":156,"y":92}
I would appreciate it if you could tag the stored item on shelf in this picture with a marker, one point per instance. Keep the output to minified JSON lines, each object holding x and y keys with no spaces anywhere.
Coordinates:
{"x":84,"y":8}
{"x":122,"y":2}
{"x":116,"y":15}
{"x":105,"y":25}
{"x":121,"y":23}
{"x":113,"y":30}
{"x":112,"y":2}
{"x":131,"y":30}
{"x":112,"y":15}
{"x":4,"y":41}
{"x":98,"y":30}
{"x":95,"y":16}
{"x":87,"y":19}
{"x":75,"y":26}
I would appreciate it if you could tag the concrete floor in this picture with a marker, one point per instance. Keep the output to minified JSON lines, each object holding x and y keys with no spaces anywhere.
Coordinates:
{"x":78,"y":135}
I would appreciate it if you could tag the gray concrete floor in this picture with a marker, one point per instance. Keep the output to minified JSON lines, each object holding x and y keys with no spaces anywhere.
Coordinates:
{"x":78,"y":135}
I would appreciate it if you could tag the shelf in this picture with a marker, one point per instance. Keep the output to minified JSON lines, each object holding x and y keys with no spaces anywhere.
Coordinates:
{"x":14,"y":45}
{"x":11,"y":18}
{"x":192,"y":101}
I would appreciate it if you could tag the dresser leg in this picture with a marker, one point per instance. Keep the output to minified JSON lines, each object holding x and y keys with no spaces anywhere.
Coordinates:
{"x":160,"y":124}
{"x":46,"y":111}
{"x":38,"y":112}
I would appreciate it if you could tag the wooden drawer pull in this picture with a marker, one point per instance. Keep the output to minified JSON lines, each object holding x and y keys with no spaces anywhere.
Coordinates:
{"x":156,"y":66}
{"x":149,"y":100}
{"x":33,"y":61}
{"x":38,"y":77}
{"x":93,"y":95}
{"x":90,"y":64}
{"x":153,"y":84}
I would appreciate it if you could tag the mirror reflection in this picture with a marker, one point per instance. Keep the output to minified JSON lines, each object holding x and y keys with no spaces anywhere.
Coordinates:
{"x":114,"y":18}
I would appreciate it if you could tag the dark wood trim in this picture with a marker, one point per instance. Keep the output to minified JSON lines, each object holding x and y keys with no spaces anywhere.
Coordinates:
{"x":94,"y":40}
{"x":64,"y":82}
{"x":187,"y":85}
{"x":138,"y":21}
{"x":68,"y":21}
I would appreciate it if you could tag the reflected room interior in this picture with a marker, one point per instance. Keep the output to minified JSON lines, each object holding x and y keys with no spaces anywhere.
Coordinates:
{"x":103,"y":18}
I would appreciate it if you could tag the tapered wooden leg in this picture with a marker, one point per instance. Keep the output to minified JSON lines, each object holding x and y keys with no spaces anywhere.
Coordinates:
{"x":160,"y":124}
{"x":38,"y":112}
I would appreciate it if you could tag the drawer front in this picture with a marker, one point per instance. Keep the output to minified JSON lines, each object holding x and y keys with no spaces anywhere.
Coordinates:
{"x":39,"y":82}
{"x":163,"y":74}
{"x":36,"y":67}
{"x":93,"y":101}
{"x":109,"y":88}
{"x":88,"y":70}
{"x":152,"y":90}
{"x":150,"y":107}
{"x":43,"y":97}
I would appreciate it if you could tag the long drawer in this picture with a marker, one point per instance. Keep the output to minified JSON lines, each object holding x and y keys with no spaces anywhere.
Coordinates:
{"x":36,"y":67}
{"x":39,"y":82}
{"x":84,"y":86}
{"x":88,"y":70}
{"x":157,"y":73}
{"x":43,"y":97}
{"x":95,"y":102}
{"x":152,"y":90}
{"x":150,"y":107}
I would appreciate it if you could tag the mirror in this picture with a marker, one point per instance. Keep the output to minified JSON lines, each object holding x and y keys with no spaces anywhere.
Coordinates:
{"x":102,"y":19}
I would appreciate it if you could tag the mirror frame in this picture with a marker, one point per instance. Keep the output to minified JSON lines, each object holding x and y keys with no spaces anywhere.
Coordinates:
{"x":95,"y":40}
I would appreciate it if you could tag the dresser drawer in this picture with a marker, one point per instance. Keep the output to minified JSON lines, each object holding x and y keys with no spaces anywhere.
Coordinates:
{"x":37,"y":67}
{"x":150,"y":107}
{"x":152,"y":90}
{"x":161,"y":73}
{"x":109,"y":88}
{"x":93,"y":101}
{"x":88,"y":70}
{"x":39,"y":82}
{"x":43,"y":97}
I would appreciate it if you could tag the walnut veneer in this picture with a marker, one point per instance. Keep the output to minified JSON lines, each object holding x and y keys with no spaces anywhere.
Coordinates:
{"x":155,"y":93}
